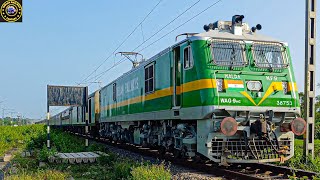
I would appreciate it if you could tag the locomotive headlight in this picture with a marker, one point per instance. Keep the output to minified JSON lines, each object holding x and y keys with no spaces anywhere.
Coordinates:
{"x":254,"y":85}
{"x":219,"y":85}
{"x":285,"y":87}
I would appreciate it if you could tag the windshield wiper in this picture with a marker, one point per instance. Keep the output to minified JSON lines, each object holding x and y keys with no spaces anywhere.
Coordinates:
{"x":233,"y":57}
{"x":266,"y":60}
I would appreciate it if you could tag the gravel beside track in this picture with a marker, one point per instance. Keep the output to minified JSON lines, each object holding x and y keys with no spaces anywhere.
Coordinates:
{"x":178,"y":172}
{"x":185,"y":169}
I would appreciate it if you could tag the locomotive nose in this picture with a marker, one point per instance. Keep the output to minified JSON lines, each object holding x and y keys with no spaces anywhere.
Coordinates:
{"x":298,"y":126}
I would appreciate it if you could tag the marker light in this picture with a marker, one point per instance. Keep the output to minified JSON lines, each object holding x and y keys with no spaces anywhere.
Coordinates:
{"x":219,"y":85}
{"x":285,"y":87}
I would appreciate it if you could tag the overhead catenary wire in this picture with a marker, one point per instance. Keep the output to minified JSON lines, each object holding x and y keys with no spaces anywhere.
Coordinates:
{"x":122,"y":60}
{"x":103,"y":73}
{"x":174,"y":19}
{"x":86,"y":79}
{"x":204,"y":10}
{"x":157,"y":32}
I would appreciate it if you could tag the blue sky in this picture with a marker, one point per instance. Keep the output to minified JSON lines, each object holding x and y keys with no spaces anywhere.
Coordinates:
{"x":61,"y":42}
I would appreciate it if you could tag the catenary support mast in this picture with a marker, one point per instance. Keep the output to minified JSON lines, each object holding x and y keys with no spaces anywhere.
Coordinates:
{"x":310,"y":74}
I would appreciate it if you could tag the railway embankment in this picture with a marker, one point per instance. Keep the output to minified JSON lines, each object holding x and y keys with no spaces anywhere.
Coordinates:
{"x":31,"y":160}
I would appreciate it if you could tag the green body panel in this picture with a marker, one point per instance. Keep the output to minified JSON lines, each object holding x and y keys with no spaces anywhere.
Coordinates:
{"x":203,"y":68}
{"x":131,"y":86}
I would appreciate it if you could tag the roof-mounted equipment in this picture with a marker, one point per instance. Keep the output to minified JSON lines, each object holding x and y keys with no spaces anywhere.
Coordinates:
{"x":258,"y":27}
{"x":237,"y":24}
{"x":237,"y":20}
{"x":208,"y":27}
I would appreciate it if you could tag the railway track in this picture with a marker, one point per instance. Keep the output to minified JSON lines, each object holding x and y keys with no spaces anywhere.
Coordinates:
{"x":240,"y":171}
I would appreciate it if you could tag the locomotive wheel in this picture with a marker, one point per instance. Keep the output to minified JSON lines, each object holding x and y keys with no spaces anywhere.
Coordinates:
{"x":176,"y":153}
{"x":162,"y":151}
{"x":144,"y":144}
{"x":197,"y":159}
{"x":115,"y":139}
{"x":200,"y":158}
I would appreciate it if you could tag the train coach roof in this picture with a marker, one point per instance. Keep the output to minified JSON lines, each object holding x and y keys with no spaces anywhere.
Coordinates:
{"x":226,"y":34}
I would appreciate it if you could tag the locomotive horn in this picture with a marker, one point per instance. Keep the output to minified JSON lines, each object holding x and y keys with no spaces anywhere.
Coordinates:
{"x":206,"y":27}
{"x":229,"y":126}
{"x":258,"y":27}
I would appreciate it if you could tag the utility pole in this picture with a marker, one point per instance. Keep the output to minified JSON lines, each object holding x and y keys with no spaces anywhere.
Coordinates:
{"x":19,"y":123}
{"x":2,"y":116}
{"x":310,"y":74}
{"x":3,"y":110}
{"x":1,"y":103}
{"x":11,"y":117}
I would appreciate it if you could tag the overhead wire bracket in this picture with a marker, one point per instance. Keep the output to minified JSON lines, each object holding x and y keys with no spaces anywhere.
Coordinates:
{"x":133,"y":57}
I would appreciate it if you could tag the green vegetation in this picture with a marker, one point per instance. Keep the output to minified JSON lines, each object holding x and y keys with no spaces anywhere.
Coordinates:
{"x":147,"y":172}
{"x":41,"y":174}
{"x":8,"y":121}
{"x":19,"y":137}
{"x":33,"y":138}
{"x":107,"y":167}
{"x":298,"y":161}
{"x":317,"y":113}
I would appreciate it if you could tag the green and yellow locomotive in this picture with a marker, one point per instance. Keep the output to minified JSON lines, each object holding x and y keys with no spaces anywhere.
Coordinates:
{"x":228,"y":94}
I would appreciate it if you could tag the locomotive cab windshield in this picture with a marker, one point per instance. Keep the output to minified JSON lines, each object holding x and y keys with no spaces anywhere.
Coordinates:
{"x":228,"y":53}
{"x":232,"y":53}
{"x":269,"y":55}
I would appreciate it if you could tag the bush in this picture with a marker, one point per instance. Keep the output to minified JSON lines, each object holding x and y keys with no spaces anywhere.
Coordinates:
{"x":122,"y":170}
{"x":20,"y":137}
{"x":107,"y":160}
{"x":298,"y":160}
{"x":45,"y":153}
{"x":154,"y":172}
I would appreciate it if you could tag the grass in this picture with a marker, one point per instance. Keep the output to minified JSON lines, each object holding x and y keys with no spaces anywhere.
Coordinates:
{"x":146,"y":172}
{"x":41,"y":174}
{"x":33,"y":137}
{"x":107,"y":167}
{"x":19,"y":137}
{"x":298,"y":161}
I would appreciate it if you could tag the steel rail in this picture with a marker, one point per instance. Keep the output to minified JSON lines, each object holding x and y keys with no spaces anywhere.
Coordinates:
{"x":245,"y":171}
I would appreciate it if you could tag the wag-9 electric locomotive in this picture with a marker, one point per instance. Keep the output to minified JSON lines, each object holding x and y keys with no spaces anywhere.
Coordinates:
{"x":227,"y":94}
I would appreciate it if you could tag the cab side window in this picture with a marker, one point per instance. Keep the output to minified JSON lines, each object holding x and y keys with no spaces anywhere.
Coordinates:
{"x":114,"y":87}
{"x":149,"y":79}
{"x":187,"y":58}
